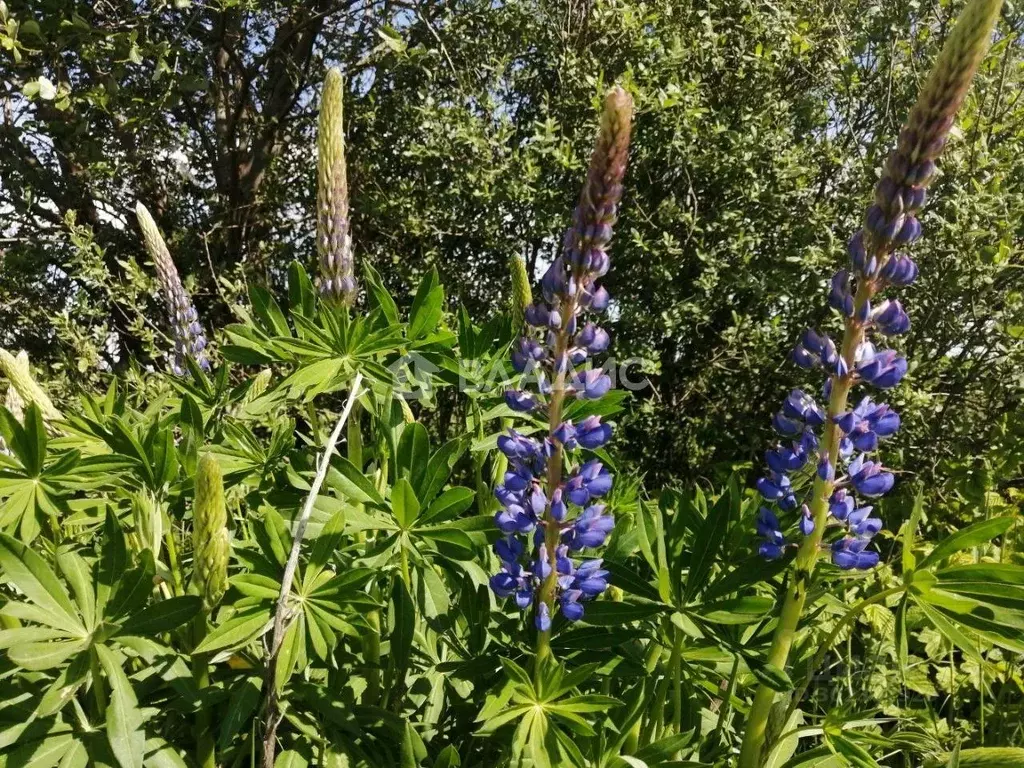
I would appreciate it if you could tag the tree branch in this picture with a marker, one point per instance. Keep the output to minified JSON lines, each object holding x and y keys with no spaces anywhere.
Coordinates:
{"x":273,"y":718}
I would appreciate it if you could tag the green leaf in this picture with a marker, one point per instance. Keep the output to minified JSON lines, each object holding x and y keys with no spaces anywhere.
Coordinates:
{"x":624,"y":577}
{"x":770,"y":675}
{"x":605,"y":613}
{"x":448,"y":758}
{"x":243,"y":627}
{"x":266,"y":308}
{"x":290,"y":759}
{"x":78,"y":574}
{"x":709,"y":541}
{"x":413,"y":453}
{"x":980,"y":757}
{"x":44,"y":753}
{"x":245,"y":696}
{"x":740,"y":610}
{"x":909,"y":561}
{"x":292,"y":650}
{"x":588,"y":703}
{"x":972,"y":536}
{"x":352,"y":483}
{"x":36,"y":657}
{"x":853,"y":752}
{"x":439,"y":468}
{"x":163,"y":616}
{"x":113,"y":561}
{"x":663,"y":749}
{"x":404,"y":504}
{"x":160,"y":754}
{"x":26,"y":570}
{"x":452,"y":541}
{"x":124,"y":721}
{"x":951,"y":631}
{"x":517,"y":673}
{"x":327,"y":543}
{"x":379,"y":294}
{"x":427,"y":306}
{"x":408,"y":753}
{"x":257,"y":585}
{"x":451,"y":503}
{"x":401,"y":625}
{"x":433,"y":593}
{"x":301,"y":296}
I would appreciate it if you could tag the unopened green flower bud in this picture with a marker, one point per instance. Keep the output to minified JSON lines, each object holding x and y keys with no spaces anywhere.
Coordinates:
{"x":149,"y":521}
{"x":522,"y":295}
{"x":211,"y":546}
{"x":333,"y":234}
{"x":17,"y":372}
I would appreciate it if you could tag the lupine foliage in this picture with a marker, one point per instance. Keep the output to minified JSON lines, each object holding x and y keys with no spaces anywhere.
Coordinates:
{"x":166,"y":601}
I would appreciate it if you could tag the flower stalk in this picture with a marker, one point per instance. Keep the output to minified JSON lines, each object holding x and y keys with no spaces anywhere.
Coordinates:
{"x":839,"y":438}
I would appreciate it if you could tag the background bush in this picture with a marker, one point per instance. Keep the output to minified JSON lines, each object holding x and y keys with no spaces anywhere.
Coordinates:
{"x":759,"y":127}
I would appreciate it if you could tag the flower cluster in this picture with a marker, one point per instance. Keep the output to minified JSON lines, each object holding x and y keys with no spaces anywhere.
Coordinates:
{"x":833,"y":450}
{"x":189,"y":340}
{"x":562,"y":516}
{"x":837,"y":445}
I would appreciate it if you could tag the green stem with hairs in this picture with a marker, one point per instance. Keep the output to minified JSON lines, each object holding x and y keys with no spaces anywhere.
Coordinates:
{"x":554,"y":479}
{"x":99,"y":694}
{"x":206,"y":756}
{"x":677,"y":681}
{"x":807,"y":555}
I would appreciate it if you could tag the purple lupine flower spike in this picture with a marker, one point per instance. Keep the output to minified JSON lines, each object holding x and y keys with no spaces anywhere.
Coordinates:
{"x":845,"y":466}
{"x":189,"y":339}
{"x":561,"y":516}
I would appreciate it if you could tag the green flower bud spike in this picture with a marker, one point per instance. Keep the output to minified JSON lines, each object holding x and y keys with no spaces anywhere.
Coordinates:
{"x":149,"y":521}
{"x":210,"y":544}
{"x":16,"y":371}
{"x":522,"y":296}
{"x":333,"y":235}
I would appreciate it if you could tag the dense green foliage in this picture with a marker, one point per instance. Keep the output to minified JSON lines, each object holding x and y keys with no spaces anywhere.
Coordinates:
{"x":148,"y":614}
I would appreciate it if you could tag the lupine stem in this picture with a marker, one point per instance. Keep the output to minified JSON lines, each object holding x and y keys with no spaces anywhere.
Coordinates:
{"x":206,"y":756}
{"x":677,"y":681}
{"x":554,"y":479}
